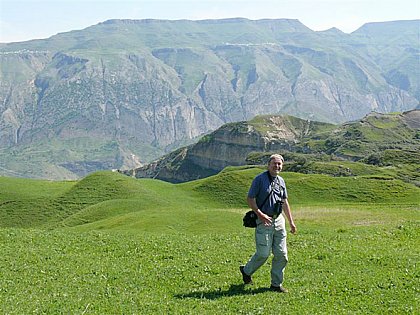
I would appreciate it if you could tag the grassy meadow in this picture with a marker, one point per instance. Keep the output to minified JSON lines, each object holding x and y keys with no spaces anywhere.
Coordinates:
{"x":111,"y":244}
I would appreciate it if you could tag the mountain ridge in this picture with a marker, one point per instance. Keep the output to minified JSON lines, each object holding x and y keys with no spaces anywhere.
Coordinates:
{"x":120,"y":94}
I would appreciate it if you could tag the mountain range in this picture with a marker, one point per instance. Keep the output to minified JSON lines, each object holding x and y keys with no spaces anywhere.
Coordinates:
{"x":125,"y":92}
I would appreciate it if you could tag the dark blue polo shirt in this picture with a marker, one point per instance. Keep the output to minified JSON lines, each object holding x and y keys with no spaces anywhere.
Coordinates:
{"x":261,"y":187}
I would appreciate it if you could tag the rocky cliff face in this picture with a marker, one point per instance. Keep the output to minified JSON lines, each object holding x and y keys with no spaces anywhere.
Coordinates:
{"x":121,"y":93}
{"x":230,"y":145}
{"x":243,"y":143}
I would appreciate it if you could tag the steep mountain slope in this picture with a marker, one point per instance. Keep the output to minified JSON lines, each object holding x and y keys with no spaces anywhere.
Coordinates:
{"x":380,"y":139}
{"x":123,"y":92}
{"x":396,"y":63}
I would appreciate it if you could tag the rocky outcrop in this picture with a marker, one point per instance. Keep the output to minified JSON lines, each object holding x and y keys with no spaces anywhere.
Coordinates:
{"x":237,"y":144}
{"x":230,"y":145}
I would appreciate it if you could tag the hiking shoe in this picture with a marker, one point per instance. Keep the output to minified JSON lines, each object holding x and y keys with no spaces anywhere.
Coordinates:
{"x":247,"y":279}
{"x":279,"y":289}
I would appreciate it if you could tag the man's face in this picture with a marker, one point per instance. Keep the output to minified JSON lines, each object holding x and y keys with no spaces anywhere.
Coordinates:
{"x":275,"y":166}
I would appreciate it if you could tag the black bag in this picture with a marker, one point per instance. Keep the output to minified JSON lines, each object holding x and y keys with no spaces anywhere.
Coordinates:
{"x":250,"y":219}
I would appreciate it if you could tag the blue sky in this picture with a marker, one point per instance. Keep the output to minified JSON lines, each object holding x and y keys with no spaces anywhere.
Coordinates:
{"x":32,"y":19}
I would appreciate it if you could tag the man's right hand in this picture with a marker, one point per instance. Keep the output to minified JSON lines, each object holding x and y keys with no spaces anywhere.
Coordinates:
{"x":265,"y":218}
{"x":252,"y":203}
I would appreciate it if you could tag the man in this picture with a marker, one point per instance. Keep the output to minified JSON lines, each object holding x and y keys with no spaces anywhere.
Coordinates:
{"x":267,"y":197}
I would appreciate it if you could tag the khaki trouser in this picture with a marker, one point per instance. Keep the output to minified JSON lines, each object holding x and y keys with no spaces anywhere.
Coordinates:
{"x":270,"y":239}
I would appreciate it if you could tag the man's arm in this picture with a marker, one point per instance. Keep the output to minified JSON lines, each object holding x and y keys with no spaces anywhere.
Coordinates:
{"x":288,"y":214}
{"x":252,"y":203}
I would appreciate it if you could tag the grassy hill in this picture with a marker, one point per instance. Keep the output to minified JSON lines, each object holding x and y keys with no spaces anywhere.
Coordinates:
{"x":107,"y":200}
{"x":114,"y":244}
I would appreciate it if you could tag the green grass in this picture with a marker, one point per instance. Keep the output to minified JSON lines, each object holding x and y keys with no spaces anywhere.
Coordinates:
{"x":363,"y":265}
{"x":107,"y":198}
{"x":111,"y":244}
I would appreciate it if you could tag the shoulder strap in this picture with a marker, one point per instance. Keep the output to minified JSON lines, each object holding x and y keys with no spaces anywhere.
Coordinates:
{"x":271,"y":190}
{"x":265,"y":200}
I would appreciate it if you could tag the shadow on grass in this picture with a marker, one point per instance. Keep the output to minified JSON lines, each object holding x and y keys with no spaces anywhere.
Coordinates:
{"x":234,"y":289}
